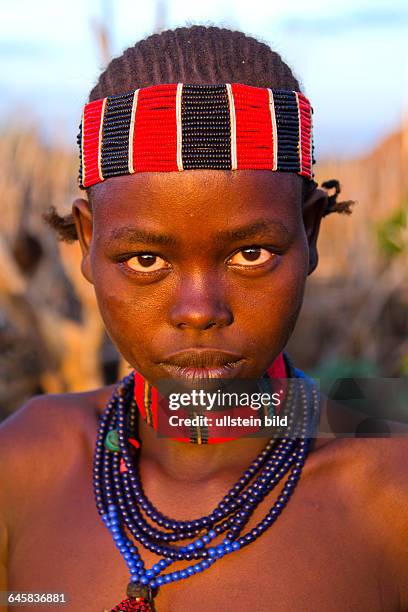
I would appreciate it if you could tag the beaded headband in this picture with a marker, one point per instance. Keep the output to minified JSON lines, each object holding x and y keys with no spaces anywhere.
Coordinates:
{"x":175,"y":127}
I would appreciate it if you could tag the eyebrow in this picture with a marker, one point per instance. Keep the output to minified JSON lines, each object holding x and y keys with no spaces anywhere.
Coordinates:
{"x":253,"y":229}
{"x":135,"y":235}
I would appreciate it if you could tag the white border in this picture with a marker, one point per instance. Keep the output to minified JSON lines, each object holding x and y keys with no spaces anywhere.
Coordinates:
{"x":274,"y":130}
{"x":178,"y":123}
{"x":132,"y":131}
{"x":233,"y":123}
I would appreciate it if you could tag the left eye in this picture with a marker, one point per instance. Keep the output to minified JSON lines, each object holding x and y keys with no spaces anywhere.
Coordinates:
{"x":146,"y":262}
{"x":250,"y":257}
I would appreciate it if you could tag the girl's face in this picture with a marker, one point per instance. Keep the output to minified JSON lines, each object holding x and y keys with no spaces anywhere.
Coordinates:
{"x":200,"y":272}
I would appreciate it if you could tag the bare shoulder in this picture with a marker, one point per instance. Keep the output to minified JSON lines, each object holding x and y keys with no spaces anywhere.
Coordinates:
{"x":42,"y":442}
{"x":372,"y":475}
{"x":364,"y":461}
{"x":376,"y":468}
{"x":46,"y":418}
{"x":43,"y":437}
{"x":383,"y":476}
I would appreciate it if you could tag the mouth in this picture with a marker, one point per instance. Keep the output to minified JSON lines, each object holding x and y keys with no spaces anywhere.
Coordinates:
{"x":203,"y":363}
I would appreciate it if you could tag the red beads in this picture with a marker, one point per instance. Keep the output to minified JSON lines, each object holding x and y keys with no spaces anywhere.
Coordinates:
{"x":134,"y":604}
{"x":134,"y":443}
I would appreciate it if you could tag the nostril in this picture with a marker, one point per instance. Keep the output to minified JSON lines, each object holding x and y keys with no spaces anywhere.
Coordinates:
{"x":210,"y":324}
{"x":202,"y":314}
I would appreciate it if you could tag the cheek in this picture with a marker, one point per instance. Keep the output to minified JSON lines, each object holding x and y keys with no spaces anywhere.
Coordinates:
{"x":290,"y":285}
{"x":130,"y":314}
{"x":271,"y":308}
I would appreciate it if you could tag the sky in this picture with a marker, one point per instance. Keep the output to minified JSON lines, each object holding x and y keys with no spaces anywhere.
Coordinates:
{"x":352,"y":61}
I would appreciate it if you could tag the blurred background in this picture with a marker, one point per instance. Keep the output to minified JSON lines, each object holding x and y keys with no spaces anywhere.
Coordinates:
{"x":352,"y":62}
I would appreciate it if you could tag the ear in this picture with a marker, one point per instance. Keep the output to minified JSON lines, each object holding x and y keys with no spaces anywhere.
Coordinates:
{"x":82,"y":214}
{"x":313,"y":209}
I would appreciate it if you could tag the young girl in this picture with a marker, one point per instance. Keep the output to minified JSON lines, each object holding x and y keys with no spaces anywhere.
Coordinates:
{"x":198,"y":233}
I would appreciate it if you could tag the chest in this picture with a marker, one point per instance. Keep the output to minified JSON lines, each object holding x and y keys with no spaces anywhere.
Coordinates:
{"x":314,"y":558}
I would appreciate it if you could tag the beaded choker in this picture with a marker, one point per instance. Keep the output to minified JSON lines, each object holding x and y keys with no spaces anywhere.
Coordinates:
{"x":149,"y":403}
{"x":199,"y":543}
{"x":175,"y":127}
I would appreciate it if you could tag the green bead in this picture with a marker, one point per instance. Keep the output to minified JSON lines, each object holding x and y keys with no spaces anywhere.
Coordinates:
{"x":112,"y":440}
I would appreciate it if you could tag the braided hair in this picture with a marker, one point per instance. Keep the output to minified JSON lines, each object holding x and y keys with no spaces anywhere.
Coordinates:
{"x":196,"y":55}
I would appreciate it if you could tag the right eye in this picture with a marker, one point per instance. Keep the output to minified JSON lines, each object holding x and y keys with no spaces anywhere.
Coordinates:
{"x":251,"y":257}
{"x":146,"y":262}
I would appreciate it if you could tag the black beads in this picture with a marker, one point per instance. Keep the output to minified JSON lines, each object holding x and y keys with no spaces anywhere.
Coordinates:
{"x":79,"y":141}
{"x":287,"y":128}
{"x":115,"y":135}
{"x":206,"y":127}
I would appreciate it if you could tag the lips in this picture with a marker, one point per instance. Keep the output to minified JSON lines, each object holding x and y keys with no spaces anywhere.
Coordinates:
{"x":203,"y":363}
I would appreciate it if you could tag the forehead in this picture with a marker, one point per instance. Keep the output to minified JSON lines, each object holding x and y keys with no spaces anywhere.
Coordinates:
{"x":205,"y":197}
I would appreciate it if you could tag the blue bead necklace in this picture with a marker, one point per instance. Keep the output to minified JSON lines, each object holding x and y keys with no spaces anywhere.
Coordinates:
{"x":122,"y":503}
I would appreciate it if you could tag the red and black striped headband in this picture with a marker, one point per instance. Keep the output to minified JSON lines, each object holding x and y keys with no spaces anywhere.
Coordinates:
{"x":165,"y":128}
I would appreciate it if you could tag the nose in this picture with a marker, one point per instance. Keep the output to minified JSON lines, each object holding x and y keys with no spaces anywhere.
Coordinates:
{"x":200,"y":304}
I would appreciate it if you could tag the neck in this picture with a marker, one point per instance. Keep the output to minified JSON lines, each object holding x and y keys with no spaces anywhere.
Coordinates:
{"x":195,"y":462}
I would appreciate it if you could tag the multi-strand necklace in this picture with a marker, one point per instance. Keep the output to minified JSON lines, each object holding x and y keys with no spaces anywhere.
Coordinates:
{"x":127,"y":512}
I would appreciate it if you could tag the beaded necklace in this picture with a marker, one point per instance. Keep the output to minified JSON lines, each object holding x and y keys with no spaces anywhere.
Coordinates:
{"x":122,"y":503}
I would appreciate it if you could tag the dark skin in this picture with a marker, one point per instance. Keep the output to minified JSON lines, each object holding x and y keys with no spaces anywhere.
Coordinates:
{"x":194,"y":298}
{"x":169,"y":281}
